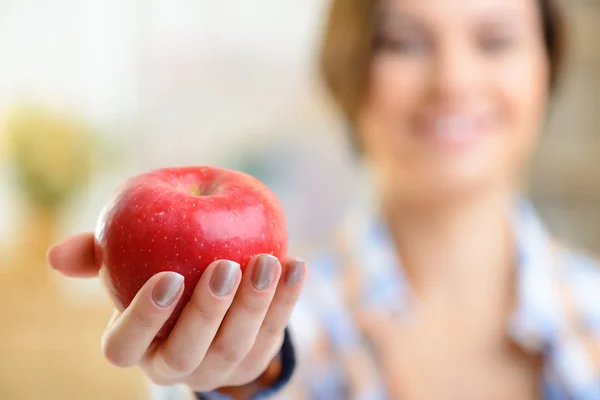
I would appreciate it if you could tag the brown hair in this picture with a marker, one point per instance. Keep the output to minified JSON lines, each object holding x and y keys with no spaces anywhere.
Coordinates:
{"x":349,"y":42}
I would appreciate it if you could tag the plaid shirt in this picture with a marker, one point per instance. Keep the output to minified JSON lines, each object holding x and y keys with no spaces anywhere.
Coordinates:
{"x":557,"y":314}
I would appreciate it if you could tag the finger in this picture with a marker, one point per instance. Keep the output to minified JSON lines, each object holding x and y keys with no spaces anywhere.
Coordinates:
{"x":268,"y":340}
{"x":199,"y":321}
{"x":75,"y":256}
{"x":242,"y":323}
{"x":115,"y":315}
{"x":127,"y":339}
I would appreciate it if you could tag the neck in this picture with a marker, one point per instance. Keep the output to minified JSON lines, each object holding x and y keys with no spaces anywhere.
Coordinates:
{"x":455,"y":247}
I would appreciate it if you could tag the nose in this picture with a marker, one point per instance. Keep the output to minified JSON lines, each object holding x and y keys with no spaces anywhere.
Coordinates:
{"x":454,"y":74}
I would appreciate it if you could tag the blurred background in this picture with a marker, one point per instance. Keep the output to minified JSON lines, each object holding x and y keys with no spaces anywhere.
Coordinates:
{"x":93,"y":92}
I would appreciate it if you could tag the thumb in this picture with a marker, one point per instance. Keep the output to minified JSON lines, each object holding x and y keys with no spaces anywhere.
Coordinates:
{"x":74,"y":257}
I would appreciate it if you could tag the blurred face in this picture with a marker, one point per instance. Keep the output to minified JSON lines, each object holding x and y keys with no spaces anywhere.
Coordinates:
{"x":456,"y":94}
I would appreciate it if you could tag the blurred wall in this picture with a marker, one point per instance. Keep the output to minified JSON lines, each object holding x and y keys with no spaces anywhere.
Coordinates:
{"x":565,"y":176}
{"x":186,"y":82}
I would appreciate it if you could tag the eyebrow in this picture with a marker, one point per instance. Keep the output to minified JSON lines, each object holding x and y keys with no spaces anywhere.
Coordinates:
{"x":390,"y":18}
{"x":506,"y":18}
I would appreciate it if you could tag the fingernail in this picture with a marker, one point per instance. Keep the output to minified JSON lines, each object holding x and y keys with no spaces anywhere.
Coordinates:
{"x":224,"y":278}
{"x":167,"y":288}
{"x":295,"y":272}
{"x":264,"y":271}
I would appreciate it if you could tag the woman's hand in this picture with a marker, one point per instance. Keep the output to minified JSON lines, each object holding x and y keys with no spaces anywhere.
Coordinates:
{"x":227,"y":335}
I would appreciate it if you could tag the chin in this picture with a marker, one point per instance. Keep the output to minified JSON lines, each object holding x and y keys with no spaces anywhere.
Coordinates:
{"x":451,"y":182}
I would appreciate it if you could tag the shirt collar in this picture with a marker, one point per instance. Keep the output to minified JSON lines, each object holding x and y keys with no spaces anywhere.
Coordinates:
{"x":538,"y":317}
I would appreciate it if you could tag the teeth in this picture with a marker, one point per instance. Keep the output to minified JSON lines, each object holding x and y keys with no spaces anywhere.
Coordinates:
{"x":454,"y":127}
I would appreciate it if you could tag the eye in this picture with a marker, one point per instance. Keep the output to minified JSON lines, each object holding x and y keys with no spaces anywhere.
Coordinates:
{"x":496,"y":36}
{"x":495,"y":43}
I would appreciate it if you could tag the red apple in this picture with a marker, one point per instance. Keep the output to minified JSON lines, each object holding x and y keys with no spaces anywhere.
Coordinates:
{"x":183,"y":219}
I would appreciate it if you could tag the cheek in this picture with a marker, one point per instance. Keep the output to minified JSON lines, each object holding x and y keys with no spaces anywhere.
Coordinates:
{"x":395,"y":85}
{"x":395,"y":88}
{"x":524,"y":90}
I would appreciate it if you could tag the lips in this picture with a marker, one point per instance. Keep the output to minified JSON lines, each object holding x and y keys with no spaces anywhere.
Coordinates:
{"x":452,"y":130}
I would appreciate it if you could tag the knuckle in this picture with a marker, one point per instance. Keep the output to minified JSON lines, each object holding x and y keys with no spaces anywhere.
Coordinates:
{"x":272,"y":332}
{"x":144,"y":320}
{"x":177,"y":364}
{"x":230,"y":354}
{"x":204,"y":311}
{"x":253,"y":307}
{"x":114,"y":355}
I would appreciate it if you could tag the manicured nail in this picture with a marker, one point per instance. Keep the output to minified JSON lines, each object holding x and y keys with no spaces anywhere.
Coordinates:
{"x":167,"y":288}
{"x":295,"y":272}
{"x":224,"y":278}
{"x":264,"y":271}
